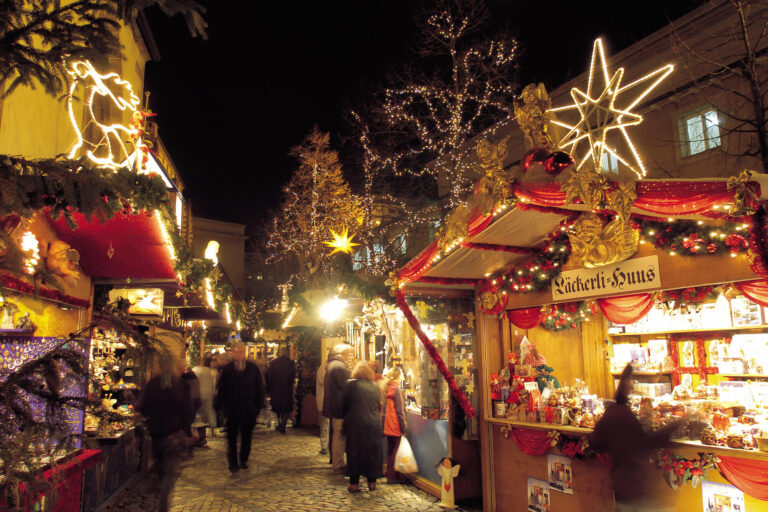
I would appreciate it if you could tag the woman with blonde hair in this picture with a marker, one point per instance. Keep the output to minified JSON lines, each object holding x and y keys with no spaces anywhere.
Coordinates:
{"x":393,"y":421}
{"x":362,"y":427}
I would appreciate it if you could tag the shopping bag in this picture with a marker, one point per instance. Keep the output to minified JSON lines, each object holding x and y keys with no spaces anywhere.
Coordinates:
{"x":404,"y":460}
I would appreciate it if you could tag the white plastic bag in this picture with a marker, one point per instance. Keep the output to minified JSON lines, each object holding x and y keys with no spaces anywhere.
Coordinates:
{"x":405,"y":462}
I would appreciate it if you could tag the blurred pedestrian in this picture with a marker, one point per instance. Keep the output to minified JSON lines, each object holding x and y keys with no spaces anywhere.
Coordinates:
{"x":393,"y":418}
{"x":336,"y":376}
{"x":240,"y":395}
{"x":207,"y":389}
{"x":166,"y":404}
{"x":281,"y":375}
{"x":325,"y":423}
{"x":620,"y":434}
{"x":362,"y":427}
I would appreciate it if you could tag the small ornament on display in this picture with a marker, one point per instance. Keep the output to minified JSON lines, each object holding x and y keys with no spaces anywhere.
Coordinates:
{"x":687,"y":298}
{"x":24,"y":323}
{"x":678,"y":470}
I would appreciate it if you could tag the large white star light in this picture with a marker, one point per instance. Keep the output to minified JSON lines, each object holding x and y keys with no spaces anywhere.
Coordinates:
{"x":604,"y":108}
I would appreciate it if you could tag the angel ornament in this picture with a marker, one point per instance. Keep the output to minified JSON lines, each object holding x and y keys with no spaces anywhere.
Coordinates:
{"x":447,"y":471}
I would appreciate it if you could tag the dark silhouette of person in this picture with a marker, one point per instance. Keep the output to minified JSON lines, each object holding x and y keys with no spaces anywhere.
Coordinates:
{"x":361,"y":403}
{"x":620,"y":434}
{"x":166,"y":404}
{"x":280,"y":378}
{"x":240,"y":395}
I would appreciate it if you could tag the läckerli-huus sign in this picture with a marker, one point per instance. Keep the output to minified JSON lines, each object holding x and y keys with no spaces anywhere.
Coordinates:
{"x":619,"y":278}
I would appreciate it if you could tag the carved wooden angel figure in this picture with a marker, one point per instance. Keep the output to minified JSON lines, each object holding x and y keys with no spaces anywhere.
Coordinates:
{"x":447,"y":471}
{"x":533,"y":116}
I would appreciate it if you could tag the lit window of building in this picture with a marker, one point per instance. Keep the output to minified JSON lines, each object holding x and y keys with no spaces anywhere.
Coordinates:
{"x":701,"y":131}
{"x":610,"y":163}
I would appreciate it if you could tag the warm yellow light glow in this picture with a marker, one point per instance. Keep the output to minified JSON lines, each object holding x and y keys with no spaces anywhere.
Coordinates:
{"x":227,"y":313}
{"x":212,"y":252}
{"x":209,"y":294}
{"x":31,"y":248}
{"x":238,"y":326}
{"x":342,"y":242}
{"x":107,"y":148}
{"x":332,"y":309}
{"x":599,"y":113}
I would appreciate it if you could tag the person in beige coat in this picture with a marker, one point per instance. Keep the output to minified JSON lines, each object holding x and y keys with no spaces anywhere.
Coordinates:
{"x":325,"y":423}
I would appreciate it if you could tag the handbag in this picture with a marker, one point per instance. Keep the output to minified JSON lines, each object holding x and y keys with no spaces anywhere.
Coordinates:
{"x":405,"y":462}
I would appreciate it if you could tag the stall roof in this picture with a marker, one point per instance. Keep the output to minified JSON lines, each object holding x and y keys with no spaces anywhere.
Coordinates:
{"x":513,"y":231}
{"x":125,"y":246}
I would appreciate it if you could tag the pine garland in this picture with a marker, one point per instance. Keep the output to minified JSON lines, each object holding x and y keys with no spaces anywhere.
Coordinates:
{"x":568,"y":315}
{"x":695,"y":237}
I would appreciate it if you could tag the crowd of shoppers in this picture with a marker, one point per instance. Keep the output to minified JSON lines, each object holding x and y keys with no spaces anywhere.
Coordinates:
{"x":362,"y":411}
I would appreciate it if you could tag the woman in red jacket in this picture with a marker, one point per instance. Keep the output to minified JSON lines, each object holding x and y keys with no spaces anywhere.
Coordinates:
{"x":394,"y":418}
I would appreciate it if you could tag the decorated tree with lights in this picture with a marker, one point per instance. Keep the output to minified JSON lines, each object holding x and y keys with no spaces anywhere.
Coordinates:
{"x":318,"y":210}
{"x":461,"y":87}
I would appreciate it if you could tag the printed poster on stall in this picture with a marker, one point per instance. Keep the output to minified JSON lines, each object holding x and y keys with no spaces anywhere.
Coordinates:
{"x":560,"y":473}
{"x":721,"y":497}
{"x":538,"y":495}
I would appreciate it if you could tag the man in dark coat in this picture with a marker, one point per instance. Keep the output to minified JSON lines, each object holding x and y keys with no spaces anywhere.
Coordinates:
{"x":336,"y":375}
{"x":240,"y":395}
{"x":280,"y":377}
{"x":620,"y":434}
{"x":166,"y":404}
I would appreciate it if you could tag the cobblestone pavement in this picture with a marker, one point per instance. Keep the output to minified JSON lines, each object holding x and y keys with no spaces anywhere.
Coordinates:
{"x":286,"y":474}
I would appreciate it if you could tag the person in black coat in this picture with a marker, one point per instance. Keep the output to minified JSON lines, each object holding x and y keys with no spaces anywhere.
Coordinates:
{"x":166,"y":404}
{"x":240,"y":395}
{"x":336,"y":375}
{"x":280,"y":378}
{"x":362,"y":427}
{"x":620,"y":434}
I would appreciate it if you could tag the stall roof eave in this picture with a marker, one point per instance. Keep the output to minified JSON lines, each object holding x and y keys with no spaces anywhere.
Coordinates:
{"x":513,"y":235}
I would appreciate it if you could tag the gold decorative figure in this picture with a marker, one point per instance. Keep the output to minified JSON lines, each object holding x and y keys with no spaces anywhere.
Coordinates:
{"x":743,"y":197}
{"x":455,"y":227}
{"x":494,"y":186}
{"x":594,"y":245}
{"x":533,"y":115}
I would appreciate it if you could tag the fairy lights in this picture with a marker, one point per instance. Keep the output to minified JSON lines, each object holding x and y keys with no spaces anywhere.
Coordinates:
{"x":599,"y":113}
{"x":107,"y":147}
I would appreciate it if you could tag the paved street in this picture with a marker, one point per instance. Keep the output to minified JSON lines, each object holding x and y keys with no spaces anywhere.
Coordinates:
{"x":286,"y":474}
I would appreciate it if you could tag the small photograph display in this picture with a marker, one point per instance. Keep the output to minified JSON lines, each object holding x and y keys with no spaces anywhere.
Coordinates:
{"x":721,"y":497}
{"x":560,"y":473}
{"x":744,"y":312}
{"x":538,"y":495}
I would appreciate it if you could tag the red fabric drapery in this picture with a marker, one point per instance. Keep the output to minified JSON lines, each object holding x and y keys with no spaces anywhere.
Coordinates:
{"x":627,"y":309}
{"x":526,"y":318}
{"x":441,"y":367}
{"x":419,"y":265}
{"x":478,"y":222}
{"x":751,"y":476}
{"x":531,"y":442}
{"x":756,"y":291}
{"x":660,"y":197}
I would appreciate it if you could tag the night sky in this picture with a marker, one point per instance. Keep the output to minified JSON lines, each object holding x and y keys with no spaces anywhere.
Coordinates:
{"x":231,"y":107}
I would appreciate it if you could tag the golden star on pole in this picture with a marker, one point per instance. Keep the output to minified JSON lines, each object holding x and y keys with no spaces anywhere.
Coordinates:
{"x":599,"y":113}
{"x":342,"y":242}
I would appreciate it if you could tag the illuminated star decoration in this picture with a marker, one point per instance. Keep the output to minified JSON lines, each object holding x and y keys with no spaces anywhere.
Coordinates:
{"x":342,"y":242}
{"x":600,"y":113}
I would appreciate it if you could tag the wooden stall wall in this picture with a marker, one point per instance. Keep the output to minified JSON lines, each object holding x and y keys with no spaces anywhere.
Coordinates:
{"x":592,"y":490}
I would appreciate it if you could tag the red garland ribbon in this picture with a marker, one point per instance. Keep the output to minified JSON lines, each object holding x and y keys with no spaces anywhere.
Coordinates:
{"x":448,"y":280}
{"x":14,"y":283}
{"x":457,"y":393}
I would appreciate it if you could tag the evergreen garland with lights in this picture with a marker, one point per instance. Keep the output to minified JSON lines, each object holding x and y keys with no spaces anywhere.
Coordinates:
{"x":568,"y":315}
{"x":691,"y":237}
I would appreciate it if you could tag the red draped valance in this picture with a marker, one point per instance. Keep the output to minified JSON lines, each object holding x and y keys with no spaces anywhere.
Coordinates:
{"x":751,"y":476}
{"x":419,"y":265}
{"x":531,"y":442}
{"x":756,"y":291}
{"x":659,"y":197}
{"x":526,"y":318}
{"x":627,"y":309}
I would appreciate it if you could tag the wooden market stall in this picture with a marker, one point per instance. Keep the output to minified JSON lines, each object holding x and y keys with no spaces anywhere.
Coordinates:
{"x":690,"y":286}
